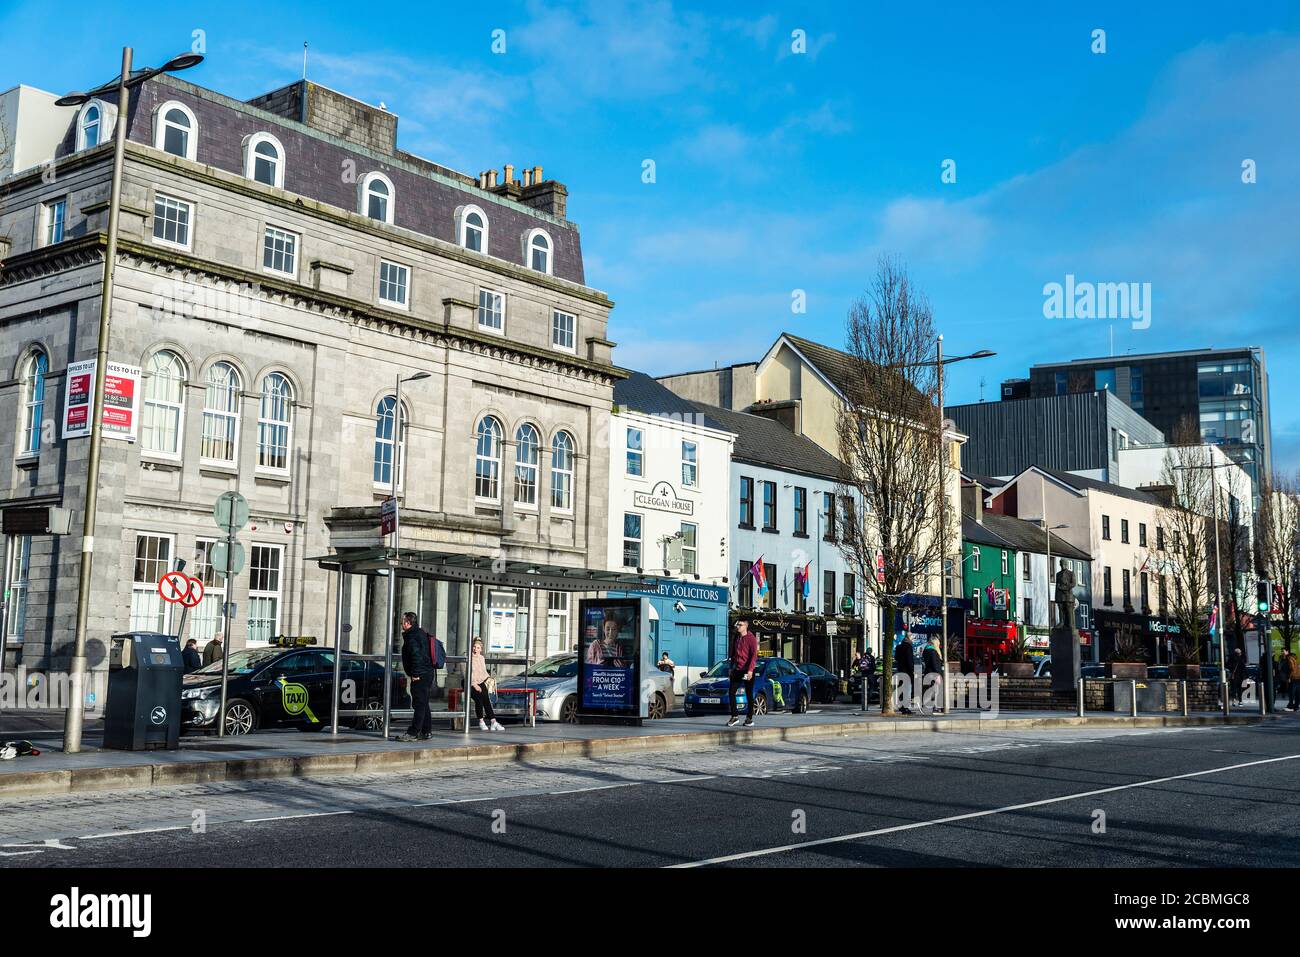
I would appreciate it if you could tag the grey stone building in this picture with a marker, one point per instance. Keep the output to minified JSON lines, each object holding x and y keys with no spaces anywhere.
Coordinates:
{"x":281,"y":263}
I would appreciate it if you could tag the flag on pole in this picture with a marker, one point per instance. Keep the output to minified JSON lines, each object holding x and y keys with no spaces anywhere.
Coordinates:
{"x":1214,"y":621}
{"x":760,"y":577}
{"x":807,"y":581}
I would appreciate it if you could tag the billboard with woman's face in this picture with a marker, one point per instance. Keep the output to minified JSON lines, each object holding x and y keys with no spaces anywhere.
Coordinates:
{"x":609,"y":657}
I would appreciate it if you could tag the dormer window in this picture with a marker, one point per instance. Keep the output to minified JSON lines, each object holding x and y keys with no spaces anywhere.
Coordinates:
{"x":264,"y":160}
{"x":176,"y":130}
{"x":377,"y":197}
{"x":92,"y":118}
{"x":473,"y":229}
{"x":537,"y":251}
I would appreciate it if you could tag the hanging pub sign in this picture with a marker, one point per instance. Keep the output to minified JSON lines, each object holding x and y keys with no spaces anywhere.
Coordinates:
{"x":609,"y":658}
{"x":121,"y":400}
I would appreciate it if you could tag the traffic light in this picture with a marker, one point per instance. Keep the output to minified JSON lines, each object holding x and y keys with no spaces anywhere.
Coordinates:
{"x":1262,"y":597}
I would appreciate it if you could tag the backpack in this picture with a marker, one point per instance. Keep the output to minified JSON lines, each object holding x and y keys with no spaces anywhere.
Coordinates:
{"x":438,"y":652}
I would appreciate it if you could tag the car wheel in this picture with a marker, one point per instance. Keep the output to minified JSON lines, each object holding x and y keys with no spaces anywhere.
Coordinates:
{"x":658,"y":706}
{"x":374,"y":721}
{"x":569,"y":710}
{"x":801,"y":705}
{"x":240,"y":717}
{"x":760,"y":703}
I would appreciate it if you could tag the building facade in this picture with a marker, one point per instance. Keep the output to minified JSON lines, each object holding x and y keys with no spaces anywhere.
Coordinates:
{"x":281,"y":265}
{"x":1221,"y":392}
{"x":669,"y":496}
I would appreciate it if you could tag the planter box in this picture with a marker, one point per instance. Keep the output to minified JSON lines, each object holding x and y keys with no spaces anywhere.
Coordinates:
{"x":1185,"y":672}
{"x":1017,"y":669}
{"x":1126,"y":669}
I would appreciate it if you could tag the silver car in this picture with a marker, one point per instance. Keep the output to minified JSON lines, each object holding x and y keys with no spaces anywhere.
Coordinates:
{"x":555,"y":681}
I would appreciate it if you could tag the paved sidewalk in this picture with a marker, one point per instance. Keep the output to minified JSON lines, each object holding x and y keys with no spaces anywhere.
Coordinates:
{"x":296,"y":754}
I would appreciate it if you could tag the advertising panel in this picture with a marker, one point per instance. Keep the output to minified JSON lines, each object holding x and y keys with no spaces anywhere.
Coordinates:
{"x":121,"y":400}
{"x":609,"y":657}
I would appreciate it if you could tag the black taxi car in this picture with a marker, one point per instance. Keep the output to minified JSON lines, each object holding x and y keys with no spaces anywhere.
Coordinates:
{"x":283,"y":684}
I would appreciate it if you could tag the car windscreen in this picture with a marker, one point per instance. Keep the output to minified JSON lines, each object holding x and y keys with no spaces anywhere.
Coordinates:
{"x":560,"y":666}
{"x":719,"y":670}
{"x":242,"y":662}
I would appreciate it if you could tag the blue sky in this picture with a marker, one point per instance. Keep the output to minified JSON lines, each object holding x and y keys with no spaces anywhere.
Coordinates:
{"x":778,"y":171}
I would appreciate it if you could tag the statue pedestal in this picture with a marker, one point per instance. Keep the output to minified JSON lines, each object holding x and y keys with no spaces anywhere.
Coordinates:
{"x":1065,"y":658}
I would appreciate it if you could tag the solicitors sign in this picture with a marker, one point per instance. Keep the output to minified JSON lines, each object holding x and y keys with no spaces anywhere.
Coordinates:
{"x":121,"y":400}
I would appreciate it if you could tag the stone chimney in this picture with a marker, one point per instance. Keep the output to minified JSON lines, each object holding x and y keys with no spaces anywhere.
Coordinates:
{"x":509,"y":174}
{"x":972,"y":501}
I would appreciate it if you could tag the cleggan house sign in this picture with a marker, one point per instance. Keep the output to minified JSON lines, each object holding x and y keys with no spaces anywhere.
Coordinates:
{"x":663,"y":497}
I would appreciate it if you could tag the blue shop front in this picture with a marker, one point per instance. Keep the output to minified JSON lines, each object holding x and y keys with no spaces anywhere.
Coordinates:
{"x":689,"y":621}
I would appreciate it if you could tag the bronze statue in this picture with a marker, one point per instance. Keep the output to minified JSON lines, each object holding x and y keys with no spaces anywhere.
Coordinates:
{"x":1065,"y":600}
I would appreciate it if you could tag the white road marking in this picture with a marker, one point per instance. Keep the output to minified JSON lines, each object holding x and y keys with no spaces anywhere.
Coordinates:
{"x":974,"y":814}
{"x":294,"y":817}
{"x":599,"y":787}
{"x":147,"y":830}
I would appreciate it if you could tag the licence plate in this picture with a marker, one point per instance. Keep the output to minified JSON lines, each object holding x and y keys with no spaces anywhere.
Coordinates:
{"x":710,"y":701}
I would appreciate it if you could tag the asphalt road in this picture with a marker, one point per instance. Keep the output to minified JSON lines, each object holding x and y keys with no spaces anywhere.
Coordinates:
{"x":1055,"y":798}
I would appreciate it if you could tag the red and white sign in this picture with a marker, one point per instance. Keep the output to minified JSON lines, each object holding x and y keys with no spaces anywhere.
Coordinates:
{"x":880,"y":566}
{"x":121,"y":400}
{"x":181,"y":589}
{"x":388,"y":517}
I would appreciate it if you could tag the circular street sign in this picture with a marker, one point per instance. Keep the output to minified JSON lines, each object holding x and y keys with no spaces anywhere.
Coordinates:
{"x":231,"y":511}
{"x":227,"y":561}
{"x":194,"y":595}
{"x":174,"y":586}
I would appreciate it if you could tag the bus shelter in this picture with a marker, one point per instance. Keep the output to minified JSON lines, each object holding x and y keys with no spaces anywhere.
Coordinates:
{"x":373,"y":586}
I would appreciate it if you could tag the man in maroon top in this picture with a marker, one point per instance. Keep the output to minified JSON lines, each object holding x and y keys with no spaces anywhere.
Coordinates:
{"x":744,"y":658}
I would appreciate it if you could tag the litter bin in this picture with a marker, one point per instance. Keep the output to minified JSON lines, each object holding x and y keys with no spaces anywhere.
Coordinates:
{"x":143,"y":710}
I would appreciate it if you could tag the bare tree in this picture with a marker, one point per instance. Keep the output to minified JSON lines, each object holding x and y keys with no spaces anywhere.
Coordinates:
{"x":888,"y":433}
{"x":1185,"y":558}
{"x":1278,"y":538}
{"x":1234,"y":551}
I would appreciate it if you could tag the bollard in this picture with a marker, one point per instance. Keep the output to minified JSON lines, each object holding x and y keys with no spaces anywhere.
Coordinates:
{"x":1133,"y":685}
{"x":1183,"y":685}
{"x":1081,"y":681}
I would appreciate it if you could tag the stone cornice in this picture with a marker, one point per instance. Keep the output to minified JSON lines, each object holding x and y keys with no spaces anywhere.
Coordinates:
{"x":89,"y":250}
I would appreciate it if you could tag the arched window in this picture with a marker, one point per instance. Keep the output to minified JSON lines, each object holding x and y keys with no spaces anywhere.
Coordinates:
{"x":164,"y":404}
{"x":275,"y":423}
{"x":377,"y":197}
{"x":537,"y":251}
{"x":176,"y":130}
{"x":34,"y":373}
{"x":487,"y":460}
{"x":384,"y":429}
{"x":221,"y":414}
{"x":526,"y":452}
{"x":264,"y":160}
{"x":90,"y":125}
{"x":474,"y":229}
{"x":562,"y":472}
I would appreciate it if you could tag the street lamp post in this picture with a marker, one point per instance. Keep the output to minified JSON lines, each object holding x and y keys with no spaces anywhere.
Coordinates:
{"x":74,"y":718}
{"x":1218,"y":576}
{"x":939,"y":362}
{"x":397,"y":543}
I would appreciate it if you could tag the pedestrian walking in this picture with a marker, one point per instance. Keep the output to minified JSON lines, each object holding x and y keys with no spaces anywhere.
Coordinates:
{"x":905,"y":660}
{"x":932,"y":664}
{"x":191,"y":657}
{"x":667,"y":664}
{"x":481,"y":686}
{"x":213,"y":650}
{"x":744,"y":658}
{"x":1293,"y":680}
{"x":1237,"y":674}
{"x":417,"y":662}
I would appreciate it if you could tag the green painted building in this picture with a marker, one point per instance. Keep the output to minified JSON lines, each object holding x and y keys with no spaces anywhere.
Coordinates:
{"x":986,"y":560}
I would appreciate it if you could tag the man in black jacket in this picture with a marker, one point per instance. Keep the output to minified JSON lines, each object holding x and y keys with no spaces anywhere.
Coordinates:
{"x":932,"y":664}
{"x":905,"y":668}
{"x":417,"y":661}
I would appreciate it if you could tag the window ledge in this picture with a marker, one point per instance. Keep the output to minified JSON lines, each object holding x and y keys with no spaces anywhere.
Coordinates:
{"x":213,"y":468}
{"x":800,"y":534}
{"x":151,"y":464}
{"x":29,"y":461}
{"x":272,"y":478}
{"x":746,"y":527}
{"x":771,"y":531}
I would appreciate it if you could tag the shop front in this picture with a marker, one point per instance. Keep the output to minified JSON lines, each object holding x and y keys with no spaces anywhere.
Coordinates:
{"x":830,"y":641}
{"x":688,"y":620}
{"x":1155,"y":633}
{"x":917,"y":618}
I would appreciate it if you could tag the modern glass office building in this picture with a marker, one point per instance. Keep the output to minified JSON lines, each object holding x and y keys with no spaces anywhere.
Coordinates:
{"x":1223,"y":392}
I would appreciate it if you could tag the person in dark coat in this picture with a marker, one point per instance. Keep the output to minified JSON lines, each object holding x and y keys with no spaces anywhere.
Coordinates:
{"x":1237,"y":674}
{"x":191,"y":657}
{"x":905,"y":667}
{"x":417,"y":662}
{"x":213,"y":650}
{"x":932,"y":664}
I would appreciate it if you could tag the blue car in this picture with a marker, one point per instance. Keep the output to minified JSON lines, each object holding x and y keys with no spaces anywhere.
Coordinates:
{"x":778,"y":686}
